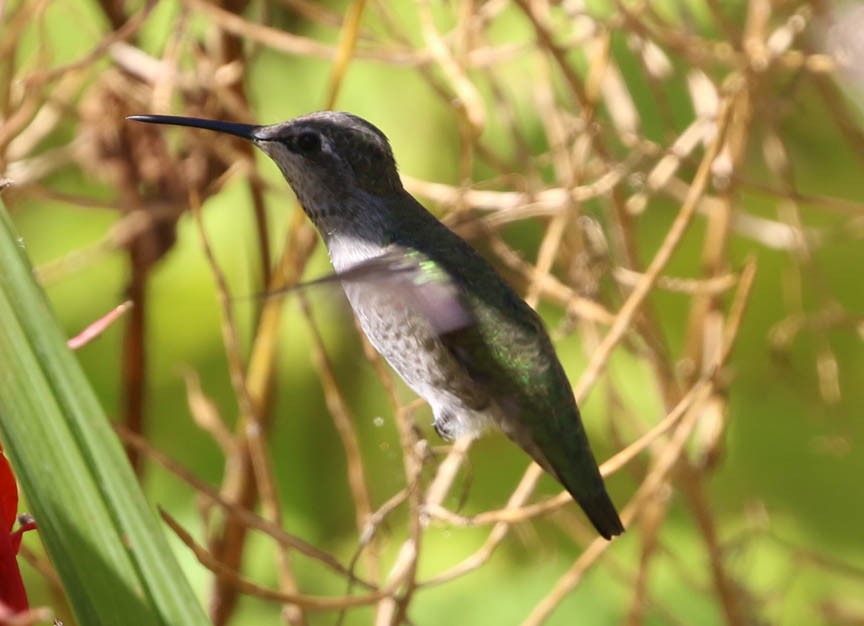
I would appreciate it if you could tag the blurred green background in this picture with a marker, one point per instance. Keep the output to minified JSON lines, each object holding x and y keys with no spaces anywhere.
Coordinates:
{"x":783,"y":489}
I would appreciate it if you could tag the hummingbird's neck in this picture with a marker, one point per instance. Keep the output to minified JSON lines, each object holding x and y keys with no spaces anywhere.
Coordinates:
{"x":354,"y":228}
{"x":347,"y":251}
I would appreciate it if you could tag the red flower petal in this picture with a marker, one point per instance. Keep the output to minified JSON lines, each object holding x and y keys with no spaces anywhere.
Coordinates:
{"x":12,"y":592}
{"x":8,"y":496}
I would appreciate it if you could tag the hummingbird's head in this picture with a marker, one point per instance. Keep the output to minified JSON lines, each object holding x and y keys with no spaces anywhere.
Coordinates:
{"x":332,"y":154}
{"x":334,"y":161}
{"x":330,"y":159}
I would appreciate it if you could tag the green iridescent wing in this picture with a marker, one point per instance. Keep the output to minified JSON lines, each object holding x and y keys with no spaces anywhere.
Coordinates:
{"x":412,"y":280}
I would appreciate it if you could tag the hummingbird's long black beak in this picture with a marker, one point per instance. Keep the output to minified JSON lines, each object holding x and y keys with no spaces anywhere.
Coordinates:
{"x":247,"y":131}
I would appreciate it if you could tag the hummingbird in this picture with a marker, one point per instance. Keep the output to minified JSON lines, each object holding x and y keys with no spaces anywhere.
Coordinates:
{"x":437,"y":311}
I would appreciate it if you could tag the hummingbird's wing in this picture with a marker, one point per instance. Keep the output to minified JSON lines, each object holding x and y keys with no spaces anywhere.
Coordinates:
{"x":411,"y":279}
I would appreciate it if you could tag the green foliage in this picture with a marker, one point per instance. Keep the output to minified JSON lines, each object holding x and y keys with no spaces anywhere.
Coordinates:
{"x":102,"y":536}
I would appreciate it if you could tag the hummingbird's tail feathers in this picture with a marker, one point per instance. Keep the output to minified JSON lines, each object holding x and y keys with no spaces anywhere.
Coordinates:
{"x":602,"y":514}
{"x":597,"y":504}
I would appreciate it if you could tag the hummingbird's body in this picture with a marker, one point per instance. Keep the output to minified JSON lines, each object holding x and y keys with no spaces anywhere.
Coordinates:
{"x":443,"y":318}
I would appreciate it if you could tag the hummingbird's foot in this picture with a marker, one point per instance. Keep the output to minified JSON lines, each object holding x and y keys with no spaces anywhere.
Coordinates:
{"x":444,"y":423}
{"x":452,"y":423}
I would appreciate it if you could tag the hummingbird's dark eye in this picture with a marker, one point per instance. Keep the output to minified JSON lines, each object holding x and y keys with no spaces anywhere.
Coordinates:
{"x":308,"y":143}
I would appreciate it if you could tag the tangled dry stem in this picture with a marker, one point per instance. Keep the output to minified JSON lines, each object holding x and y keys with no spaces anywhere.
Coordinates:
{"x":597,"y":172}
